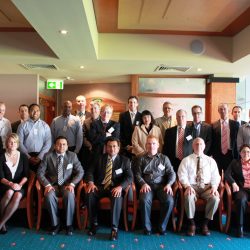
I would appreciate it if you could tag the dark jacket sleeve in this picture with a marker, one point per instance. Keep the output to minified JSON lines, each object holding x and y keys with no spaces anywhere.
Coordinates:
{"x":234,"y":173}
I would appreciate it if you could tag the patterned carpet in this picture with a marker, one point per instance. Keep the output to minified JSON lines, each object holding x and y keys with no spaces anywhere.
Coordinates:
{"x":22,"y":238}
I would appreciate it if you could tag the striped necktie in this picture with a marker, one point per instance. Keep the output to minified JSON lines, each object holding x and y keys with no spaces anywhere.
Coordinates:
{"x":60,"y":180}
{"x":224,"y":138}
{"x":180,"y":143}
{"x":108,"y":174}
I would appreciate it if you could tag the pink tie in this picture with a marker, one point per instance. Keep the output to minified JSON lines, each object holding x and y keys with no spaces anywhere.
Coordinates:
{"x":224,"y":138}
{"x":180,"y":143}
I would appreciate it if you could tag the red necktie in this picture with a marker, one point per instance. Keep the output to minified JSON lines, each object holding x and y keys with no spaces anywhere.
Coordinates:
{"x":180,"y":143}
{"x":224,"y":138}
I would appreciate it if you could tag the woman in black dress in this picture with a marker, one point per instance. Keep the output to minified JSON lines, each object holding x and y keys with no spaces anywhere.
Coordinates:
{"x":14,"y":168}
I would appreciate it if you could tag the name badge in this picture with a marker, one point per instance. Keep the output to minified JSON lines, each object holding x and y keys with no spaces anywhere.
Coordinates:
{"x":161,"y":167}
{"x":35,"y":131}
{"x":111,"y":130}
{"x":64,"y":128}
{"x":189,"y":137}
{"x":137,"y":123}
{"x":69,"y":166}
{"x":118,"y":171}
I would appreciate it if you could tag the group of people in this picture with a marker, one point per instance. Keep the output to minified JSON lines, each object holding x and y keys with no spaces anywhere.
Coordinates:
{"x":110,"y":155}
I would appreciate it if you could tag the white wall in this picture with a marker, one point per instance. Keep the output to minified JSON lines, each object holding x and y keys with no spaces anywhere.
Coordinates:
{"x":16,"y":90}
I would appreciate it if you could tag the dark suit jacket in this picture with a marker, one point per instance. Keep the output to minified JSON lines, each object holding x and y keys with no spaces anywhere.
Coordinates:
{"x":47,"y":171}
{"x":216,"y":139}
{"x":169,"y":148}
{"x":127,"y":128}
{"x":234,"y":173}
{"x":205,"y":134}
{"x":15,"y":125}
{"x":97,"y":134}
{"x":97,"y":171}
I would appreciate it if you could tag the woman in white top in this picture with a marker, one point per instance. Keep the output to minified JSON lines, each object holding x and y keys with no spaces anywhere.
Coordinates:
{"x":14,"y":168}
{"x":141,"y":133}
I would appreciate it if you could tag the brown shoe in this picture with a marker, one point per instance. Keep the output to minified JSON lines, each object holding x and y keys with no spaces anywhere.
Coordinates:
{"x":191,"y":230}
{"x":205,"y":231}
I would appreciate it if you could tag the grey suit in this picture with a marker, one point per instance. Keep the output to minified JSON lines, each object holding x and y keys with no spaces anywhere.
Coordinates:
{"x":47,"y":175}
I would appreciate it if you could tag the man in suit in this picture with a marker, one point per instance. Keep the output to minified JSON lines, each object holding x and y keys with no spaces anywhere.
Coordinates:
{"x":224,"y":138}
{"x":59,"y":173}
{"x":201,"y":129}
{"x":108,"y":176}
{"x":81,"y":112}
{"x":236,"y":113}
{"x":178,"y":140}
{"x":243,"y":136}
{"x":154,"y":175}
{"x":128,"y":120}
{"x":103,"y":128}
{"x":167,"y":120}
{"x":23,"y":112}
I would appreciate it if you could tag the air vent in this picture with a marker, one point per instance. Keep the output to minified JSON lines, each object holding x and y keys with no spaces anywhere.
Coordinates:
{"x":165,"y":68}
{"x":40,"y":66}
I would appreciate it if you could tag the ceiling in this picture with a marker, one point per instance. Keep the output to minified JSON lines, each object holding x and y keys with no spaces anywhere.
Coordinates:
{"x":114,"y":39}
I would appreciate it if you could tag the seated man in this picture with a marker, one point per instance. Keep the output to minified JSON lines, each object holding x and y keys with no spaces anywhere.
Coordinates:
{"x":109,"y":176}
{"x":59,"y":173}
{"x":154,"y":175}
{"x":199,"y":175}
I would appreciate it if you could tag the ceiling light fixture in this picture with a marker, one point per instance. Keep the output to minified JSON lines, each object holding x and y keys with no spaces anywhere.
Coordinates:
{"x":199,"y":69}
{"x":81,"y":67}
{"x":63,"y":32}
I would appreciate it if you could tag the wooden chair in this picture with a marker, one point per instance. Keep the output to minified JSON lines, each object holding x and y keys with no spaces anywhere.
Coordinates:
{"x":104,"y":204}
{"x":201,"y":204}
{"x":40,"y":205}
{"x":27,"y":201}
{"x":131,"y":207}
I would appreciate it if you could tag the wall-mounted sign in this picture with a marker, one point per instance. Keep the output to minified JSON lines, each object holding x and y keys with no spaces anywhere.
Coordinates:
{"x":54,"y":84}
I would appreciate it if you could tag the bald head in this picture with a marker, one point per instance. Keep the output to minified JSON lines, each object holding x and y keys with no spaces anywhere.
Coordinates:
{"x":67,"y":108}
{"x":223,"y":111}
{"x":198,"y":146}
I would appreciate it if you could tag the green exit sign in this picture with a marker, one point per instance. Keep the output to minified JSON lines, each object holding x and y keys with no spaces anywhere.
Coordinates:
{"x":54,"y":84}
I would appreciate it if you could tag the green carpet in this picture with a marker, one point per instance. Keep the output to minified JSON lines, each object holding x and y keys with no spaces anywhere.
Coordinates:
{"x":22,"y":238}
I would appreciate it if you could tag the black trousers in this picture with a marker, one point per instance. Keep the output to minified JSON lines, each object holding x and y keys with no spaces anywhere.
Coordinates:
{"x":166,"y":207}
{"x":92,"y":200}
{"x":241,"y":198}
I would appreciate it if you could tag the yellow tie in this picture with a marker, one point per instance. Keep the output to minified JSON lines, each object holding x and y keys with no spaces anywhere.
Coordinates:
{"x":108,"y":174}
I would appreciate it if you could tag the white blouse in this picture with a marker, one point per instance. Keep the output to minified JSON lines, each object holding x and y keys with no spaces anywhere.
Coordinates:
{"x":10,"y":165}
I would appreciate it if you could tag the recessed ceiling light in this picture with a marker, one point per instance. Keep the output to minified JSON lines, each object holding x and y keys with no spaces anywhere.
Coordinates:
{"x":69,"y":78}
{"x":81,"y":67}
{"x":199,"y":69}
{"x":63,"y":32}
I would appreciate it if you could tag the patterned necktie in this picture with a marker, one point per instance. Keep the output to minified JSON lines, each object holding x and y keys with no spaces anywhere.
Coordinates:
{"x":60,"y":180}
{"x":180,"y":143}
{"x":224,"y":138}
{"x":199,"y":179}
{"x":108,"y":174}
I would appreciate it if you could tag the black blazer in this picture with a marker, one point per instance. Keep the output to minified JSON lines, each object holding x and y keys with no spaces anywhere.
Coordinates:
{"x":169,"y":148}
{"x":216,"y":139}
{"x":22,"y":169}
{"x":205,"y":134}
{"x":127,"y":128}
{"x":14,"y":126}
{"x":234,"y":173}
{"x":97,"y":134}
{"x":97,"y":171}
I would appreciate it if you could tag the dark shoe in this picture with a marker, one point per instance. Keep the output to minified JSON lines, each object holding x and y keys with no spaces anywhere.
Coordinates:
{"x":191,"y":230}
{"x":147,"y":232}
{"x":55,"y":230}
{"x":240,"y":233}
{"x":69,"y":230}
{"x":161,"y":232}
{"x":205,"y":231}
{"x":3,"y":231}
{"x":113,"y":235}
{"x":92,"y":230}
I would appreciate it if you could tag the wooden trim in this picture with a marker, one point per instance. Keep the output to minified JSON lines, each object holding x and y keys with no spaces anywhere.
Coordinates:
{"x":173,"y":76}
{"x":172,"y":95}
{"x":16,"y":29}
{"x":134,"y":85}
{"x":48,"y":98}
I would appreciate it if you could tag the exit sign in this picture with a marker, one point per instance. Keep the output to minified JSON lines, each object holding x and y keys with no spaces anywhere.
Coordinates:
{"x":54,"y":84}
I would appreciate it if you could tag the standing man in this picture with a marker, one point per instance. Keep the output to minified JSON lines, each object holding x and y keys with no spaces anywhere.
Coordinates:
{"x":236,"y":113}
{"x":103,"y":128}
{"x":81,"y":109}
{"x":154,"y":175}
{"x":5,"y":126}
{"x":59,"y":173}
{"x":109,"y":175}
{"x":199,"y":175}
{"x":167,"y":120}
{"x":178,"y":140}
{"x":243,"y":136}
{"x":224,"y":136}
{"x":201,"y":129}
{"x":35,"y":137}
{"x":69,"y":126}
{"x":128,"y":120}
{"x":23,"y":112}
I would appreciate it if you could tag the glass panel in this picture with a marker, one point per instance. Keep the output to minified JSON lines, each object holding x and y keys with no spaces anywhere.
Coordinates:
{"x":172,"y":85}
